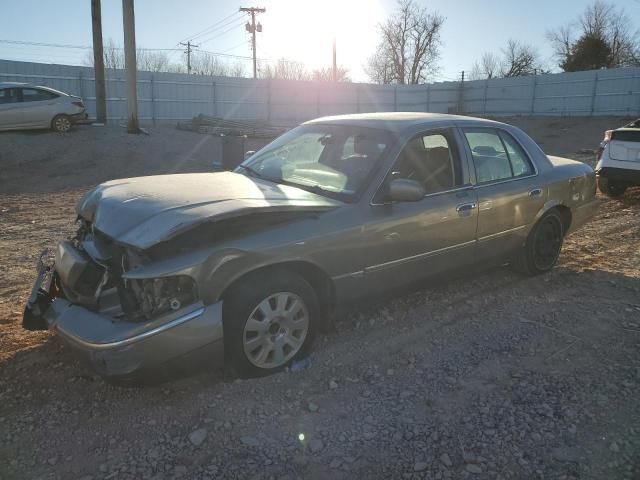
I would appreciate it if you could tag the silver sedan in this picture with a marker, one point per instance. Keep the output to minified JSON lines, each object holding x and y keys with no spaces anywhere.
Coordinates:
{"x":247,"y":266}
{"x":24,"y":106}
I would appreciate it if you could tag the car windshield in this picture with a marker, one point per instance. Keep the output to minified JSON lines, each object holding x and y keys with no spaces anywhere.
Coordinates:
{"x":327,"y":159}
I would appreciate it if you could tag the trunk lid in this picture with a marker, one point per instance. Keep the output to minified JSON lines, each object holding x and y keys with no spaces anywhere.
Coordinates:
{"x":625,"y":145}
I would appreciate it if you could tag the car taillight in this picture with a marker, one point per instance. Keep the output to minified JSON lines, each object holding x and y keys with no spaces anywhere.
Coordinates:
{"x":607,"y":136}
{"x":78,"y":104}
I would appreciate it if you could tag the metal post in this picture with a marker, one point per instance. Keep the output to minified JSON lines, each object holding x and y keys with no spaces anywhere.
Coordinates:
{"x":213,"y":99}
{"x":268,"y":100}
{"x":428,"y":97}
{"x":533,"y":94}
{"x":395,"y":97}
{"x":80,"y":91}
{"x":594,"y":93}
{"x":484,"y":100}
{"x":153,"y":101}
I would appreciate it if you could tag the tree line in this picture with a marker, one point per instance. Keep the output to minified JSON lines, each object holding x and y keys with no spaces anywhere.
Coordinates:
{"x":410,"y":49}
{"x":205,"y":63}
{"x":410,"y":46}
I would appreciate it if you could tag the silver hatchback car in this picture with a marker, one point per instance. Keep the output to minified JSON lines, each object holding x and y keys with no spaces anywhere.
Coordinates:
{"x":24,"y":106}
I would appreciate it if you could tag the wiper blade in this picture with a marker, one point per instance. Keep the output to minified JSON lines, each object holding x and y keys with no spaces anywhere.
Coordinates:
{"x":252,"y":171}
{"x":309,"y":188}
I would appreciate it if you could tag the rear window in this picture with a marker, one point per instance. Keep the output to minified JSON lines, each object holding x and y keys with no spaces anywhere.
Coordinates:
{"x":36,"y":95}
{"x":626,"y":135}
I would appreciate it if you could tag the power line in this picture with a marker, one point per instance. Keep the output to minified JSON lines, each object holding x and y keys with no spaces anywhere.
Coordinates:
{"x":210,"y":27}
{"x":235,"y":46}
{"x":219,"y":34}
{"x":39,"y":44}
{"x":83,"y":47}
{"x":234,"y":22}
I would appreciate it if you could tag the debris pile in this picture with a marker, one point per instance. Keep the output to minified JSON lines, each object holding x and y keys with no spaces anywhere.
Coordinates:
{"x":233,"y":128}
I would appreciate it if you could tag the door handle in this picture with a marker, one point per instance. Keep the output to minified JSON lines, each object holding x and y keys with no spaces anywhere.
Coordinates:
{"x":535,"y":192}
{"x":465,"y":207}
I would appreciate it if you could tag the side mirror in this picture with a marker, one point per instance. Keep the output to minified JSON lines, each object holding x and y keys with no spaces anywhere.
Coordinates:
{"x":406,"y":190}
{"x":248,"y":153}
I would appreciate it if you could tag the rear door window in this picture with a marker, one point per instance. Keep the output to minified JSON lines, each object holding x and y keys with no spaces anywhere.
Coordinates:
{"x":496,"y":155}
{"x":8,"y":95}
{"x":36,"y":95}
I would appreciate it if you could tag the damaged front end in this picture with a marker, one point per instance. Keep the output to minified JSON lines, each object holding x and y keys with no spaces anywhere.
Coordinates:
{"x":120,"y":324}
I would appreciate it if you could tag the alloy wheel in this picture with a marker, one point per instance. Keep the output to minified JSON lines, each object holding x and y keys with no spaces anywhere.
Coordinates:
{"x":275,"y":330}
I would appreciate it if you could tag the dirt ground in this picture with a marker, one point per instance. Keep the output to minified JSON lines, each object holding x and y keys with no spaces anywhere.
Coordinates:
{"x":491,"y":375}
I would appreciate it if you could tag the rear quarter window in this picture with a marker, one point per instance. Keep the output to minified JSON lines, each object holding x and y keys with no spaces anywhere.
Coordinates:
{"x":37,"y":95}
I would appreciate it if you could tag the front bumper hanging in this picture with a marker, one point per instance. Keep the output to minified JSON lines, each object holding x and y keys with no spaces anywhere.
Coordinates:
{"x":116,"y":347}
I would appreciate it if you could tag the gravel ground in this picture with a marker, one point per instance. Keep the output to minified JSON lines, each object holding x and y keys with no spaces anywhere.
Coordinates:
{"x":490,"y":375}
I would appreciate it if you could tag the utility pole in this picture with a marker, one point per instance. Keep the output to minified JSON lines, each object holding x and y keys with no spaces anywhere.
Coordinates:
{"x":252,"y":28}
{"x":461,"y":96}
{"x":189,"y":46}
{"x":334,"y":71}
{"x":98,"y":62}
{"x":129,"y":26}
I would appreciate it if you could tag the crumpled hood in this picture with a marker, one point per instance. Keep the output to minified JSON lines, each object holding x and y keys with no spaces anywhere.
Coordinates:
{"x":144,"y":211}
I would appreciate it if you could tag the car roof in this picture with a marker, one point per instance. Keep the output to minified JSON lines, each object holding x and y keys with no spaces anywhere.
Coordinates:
{"x":398,"y":121}
{"x":30,"y":85}
{"x":14,"y":84}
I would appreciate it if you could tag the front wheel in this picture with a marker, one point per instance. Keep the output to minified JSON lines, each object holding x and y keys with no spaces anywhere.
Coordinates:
{"x":542,"y":248}
{"x":61,"y":123}
{"x":609,"y":188}
{"x":270,"y":320}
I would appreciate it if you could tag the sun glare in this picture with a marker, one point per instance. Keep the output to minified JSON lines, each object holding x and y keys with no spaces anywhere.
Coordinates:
{"x":309,"y":38}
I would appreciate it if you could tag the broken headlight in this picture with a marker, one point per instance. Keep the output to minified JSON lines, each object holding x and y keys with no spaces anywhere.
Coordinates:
{"x":157,"y":296}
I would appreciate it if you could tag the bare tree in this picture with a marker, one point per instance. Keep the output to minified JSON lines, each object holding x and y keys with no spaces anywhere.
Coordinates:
{"x":516,"y":59}
{"x":285,"y":69}
{"x":409,"y":49}
{"x":604,"y":39}
{"x":487,"y":67}
{"x":237,"y":69}
{"x":379,"y":68}
{"x":203,"y":63}
{"x":146,"y":60}
{"x":326,"y":74}
{"x":519,"y":59}
{"x":152,"y":61}
{"x":561,"y":40}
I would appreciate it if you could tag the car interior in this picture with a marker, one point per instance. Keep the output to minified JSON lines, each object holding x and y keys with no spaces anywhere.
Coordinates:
{"x":430,"y":163}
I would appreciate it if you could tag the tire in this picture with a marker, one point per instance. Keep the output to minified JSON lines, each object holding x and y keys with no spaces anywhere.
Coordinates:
{"x":542,"y":248}
{"x":270,"y":320}
{"x":609,"y":188}
{"x":61,"y":123}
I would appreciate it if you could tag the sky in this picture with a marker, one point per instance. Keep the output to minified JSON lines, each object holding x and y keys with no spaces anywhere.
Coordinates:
{"x":299,"y":30}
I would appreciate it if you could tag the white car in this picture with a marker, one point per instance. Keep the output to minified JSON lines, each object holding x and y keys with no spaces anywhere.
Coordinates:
{"x":618,"y":164}
{"x":24,"y":106}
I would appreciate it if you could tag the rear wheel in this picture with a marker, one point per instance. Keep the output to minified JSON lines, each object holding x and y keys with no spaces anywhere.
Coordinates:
{"x":543,"y":245}
{"x":609,"y":188}
{"x":61,"y":123}
{"x":270,"y":320}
